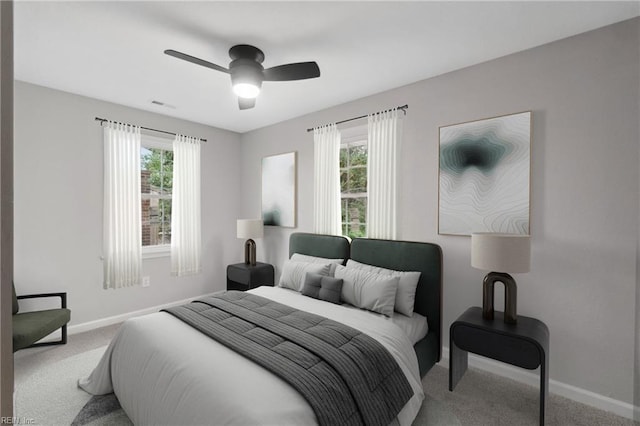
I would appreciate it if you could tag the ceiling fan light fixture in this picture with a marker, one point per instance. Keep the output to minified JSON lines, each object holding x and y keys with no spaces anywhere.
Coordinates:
{"x":246,"y":78}
{"x":246,"y":90}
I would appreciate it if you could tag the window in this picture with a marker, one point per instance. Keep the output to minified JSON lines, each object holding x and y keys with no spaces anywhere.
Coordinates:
{"x":353,"y":186}
{"x":156,"y":181}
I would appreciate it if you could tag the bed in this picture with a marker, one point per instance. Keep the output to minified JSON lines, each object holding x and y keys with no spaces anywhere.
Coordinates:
{"x":400,"y":255}
{"x":163,"y":371}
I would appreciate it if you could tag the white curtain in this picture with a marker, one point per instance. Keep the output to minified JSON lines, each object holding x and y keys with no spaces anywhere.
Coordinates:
{"x":326,"y":177}
{"x":122,"y":251}
{"x":186,"y":239}
{"x":381,"y":174}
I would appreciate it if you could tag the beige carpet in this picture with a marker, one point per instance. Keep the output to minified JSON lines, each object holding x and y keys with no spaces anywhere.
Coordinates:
{"x":485,"y":399}
{"x":50,"y":395}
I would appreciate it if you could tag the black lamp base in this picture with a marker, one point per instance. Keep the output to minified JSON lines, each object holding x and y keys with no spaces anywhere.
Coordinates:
{"x":250,"y":252}
{"x":510,"y":296}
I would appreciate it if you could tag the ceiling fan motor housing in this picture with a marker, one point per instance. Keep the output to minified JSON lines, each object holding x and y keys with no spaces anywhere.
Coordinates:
{"x":246,"y":51}
{"x":246,"y":71}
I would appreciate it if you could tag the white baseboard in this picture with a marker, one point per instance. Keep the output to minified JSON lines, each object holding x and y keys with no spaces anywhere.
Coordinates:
{"x":103,"y":322}
{"x":583,"y":396}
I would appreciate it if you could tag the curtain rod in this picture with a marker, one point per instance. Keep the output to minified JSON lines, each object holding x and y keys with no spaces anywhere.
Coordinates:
{"x":102,"y":120}
{"x":402,"y":108}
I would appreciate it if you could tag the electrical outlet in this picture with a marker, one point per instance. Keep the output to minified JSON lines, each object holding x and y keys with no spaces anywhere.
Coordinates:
{"x":146,"y":281}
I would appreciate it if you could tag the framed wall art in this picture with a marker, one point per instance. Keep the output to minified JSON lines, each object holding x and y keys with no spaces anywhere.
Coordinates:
{"x":279,"y":190}
{"x":485,"y":176}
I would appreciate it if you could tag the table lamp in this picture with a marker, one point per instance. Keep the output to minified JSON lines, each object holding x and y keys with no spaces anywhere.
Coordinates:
{"x":504,"y":254}
{"x":250,"y":228}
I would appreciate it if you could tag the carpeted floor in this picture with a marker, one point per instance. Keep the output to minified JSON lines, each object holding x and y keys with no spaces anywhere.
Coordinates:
{"x":485,"y":399}
{"x":46,"y":392}
{"x":50,"y":395}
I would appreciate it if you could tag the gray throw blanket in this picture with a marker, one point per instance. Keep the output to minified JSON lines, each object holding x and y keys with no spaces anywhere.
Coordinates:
{"x":347,"y":377}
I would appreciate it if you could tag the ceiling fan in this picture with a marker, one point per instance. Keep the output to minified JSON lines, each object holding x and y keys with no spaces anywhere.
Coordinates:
{"x":247,"y":72}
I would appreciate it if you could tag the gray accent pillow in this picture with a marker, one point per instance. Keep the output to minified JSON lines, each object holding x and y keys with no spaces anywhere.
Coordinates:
{"x":322,"y":287}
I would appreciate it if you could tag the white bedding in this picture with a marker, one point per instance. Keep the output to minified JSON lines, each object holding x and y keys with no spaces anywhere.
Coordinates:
{"x":415,"y":326}
{"x":166,"y":372}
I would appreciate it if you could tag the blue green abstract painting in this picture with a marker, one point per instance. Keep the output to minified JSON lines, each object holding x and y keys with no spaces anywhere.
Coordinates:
{"x":484,"y":176}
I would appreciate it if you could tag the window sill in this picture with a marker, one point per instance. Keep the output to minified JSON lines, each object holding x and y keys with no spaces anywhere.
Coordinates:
{"x":152,"y":252}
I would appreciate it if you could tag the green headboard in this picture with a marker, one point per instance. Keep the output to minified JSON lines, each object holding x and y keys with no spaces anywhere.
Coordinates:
{"x":409,"y":256}
{"x":329,"y":246}
{"x":397,"y":255}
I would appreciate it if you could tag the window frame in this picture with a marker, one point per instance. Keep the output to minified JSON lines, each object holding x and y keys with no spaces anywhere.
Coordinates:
{"x":355,"y":136}
{"x":148,"y":141}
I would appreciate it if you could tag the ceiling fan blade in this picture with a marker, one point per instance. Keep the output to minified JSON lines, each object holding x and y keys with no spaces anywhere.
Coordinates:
{"x":195,"y":60}
{"x":287,"y":72}
{"x":245,"y":103}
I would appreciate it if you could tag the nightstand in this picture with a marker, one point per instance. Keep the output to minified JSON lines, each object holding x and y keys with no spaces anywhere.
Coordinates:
{"x":241,"y":276}
{"x":524,"y":344}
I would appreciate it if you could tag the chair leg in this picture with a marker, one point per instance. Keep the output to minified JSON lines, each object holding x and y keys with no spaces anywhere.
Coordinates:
{"x":62,"y":341}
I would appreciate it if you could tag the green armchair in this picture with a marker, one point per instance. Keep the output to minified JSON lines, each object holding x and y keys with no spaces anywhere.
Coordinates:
{"x":29,"y":327}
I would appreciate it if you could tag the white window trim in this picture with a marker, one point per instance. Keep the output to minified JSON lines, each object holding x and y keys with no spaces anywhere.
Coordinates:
{"x":148,"y":141}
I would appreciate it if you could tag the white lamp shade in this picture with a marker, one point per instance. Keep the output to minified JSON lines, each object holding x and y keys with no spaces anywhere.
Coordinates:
{"x":250,"y":228}
{"x":508,"y":253}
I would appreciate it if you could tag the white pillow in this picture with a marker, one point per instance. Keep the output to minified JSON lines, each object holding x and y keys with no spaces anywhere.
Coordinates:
{"x":367,"y":290}
{"x":293,"y":273}
{"x":314,"y":259}
{"x":406,"y":294}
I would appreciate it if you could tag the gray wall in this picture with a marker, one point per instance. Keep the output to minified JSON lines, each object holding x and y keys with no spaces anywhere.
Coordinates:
{"x":583,"y":92}
{"x":58,"y":204}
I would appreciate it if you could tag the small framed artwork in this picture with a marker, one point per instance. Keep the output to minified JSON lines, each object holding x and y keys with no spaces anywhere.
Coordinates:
{"x":279,"y":190}
{"x":484,"y":176}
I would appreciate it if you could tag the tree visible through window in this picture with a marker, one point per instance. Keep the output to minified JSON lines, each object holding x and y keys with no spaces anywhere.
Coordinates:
{"x":156,"y":169}
{"x":353,"y":188}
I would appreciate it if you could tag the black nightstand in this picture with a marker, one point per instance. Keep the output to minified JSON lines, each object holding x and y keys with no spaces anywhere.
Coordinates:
{"x":241,"y":276}
{"x":525,"y":344}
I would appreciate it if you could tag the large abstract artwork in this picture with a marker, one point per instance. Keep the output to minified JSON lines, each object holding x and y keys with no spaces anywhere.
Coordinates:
{"x":484,"y":176}
{"x":279,"y":190}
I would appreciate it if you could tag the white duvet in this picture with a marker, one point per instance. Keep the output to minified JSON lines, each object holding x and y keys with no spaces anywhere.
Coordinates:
{"x":163,"y":371}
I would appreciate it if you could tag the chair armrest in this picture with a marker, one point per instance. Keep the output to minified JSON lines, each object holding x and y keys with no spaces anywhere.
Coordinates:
{"x":62,"y":296}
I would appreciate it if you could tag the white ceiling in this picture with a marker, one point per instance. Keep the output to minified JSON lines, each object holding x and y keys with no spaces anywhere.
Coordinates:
{"x":114,"y":50}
